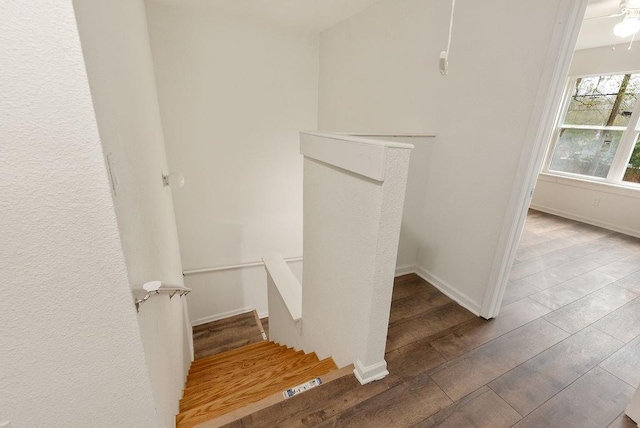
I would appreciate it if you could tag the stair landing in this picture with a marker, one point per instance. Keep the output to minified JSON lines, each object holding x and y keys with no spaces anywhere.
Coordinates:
{"x":225,"y":382}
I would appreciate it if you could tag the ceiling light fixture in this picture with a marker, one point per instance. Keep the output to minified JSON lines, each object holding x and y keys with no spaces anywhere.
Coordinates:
{"x":630,"y":25}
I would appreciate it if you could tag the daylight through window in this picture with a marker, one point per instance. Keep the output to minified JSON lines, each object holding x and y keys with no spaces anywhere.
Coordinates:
{"x":597,"y":136}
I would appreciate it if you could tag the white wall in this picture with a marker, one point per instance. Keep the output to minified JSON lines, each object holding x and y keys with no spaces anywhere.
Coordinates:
{"x":379,"y":73}
{"x":71,"y":351}
{"x":351,"y":233}
{"x":617,"y":206}
{"x":233,"y":95}
{"x":118,"y":58}
{"x":413,"y":209}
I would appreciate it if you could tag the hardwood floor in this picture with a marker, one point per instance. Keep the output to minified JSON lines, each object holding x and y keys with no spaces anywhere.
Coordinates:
{"x":226,"y":334}
{"x":564,"y":351}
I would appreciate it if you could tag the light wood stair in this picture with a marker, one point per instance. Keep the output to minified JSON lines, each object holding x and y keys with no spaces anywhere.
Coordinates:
{"x":224,"y":382}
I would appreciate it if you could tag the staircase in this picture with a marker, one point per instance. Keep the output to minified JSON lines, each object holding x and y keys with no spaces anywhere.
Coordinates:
{"x":225,"y":382}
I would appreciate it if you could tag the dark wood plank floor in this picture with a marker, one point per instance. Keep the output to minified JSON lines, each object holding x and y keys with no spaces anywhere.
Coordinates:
{"x":564,"y":351}
{"x":226,"y":334}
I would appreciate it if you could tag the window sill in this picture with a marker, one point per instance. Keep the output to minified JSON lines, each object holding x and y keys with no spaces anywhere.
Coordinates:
{"x":628,"y":190}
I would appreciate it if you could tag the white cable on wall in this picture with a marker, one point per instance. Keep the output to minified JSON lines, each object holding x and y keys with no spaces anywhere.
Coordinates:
{"x":444,"y":55}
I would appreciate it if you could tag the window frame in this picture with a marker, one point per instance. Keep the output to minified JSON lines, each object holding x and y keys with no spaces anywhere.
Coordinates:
{"x":627,"y":143}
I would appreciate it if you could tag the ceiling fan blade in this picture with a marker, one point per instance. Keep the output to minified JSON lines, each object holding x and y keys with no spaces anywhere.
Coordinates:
{"x":615,"y":15}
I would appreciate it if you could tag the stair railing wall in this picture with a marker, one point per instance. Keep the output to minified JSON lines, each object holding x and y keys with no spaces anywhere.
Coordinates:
{"x":354,"y":191}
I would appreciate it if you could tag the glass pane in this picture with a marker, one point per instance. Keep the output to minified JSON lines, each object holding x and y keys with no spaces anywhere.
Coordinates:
{"x":603,"y":100}
{"x":632,"y":174}
{"x":585,"y":151}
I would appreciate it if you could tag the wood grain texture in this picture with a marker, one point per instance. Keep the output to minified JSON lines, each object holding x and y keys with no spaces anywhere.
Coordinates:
{"x":480,"y":331}
{"x":595,"y":400}
{"x":430,"y":325}
{"x":624,"y":323}
{"x":572,"y":290}
{"x":557,"y":379}
{"x":482,"y":408}
{"x":589,"y":309}
{"x":240,"y":377}
{"x":535,"y":381}
{"x":625,"y":364}
{"x":403,"y":405}
{"x":475,"y":369}
{"x":229,"y":333}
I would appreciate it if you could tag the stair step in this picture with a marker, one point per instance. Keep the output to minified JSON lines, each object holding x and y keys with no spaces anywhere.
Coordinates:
{"x":231,"y":372}
{"x":250,"y":389}
{"x":236,"y":361}
{"x":267,"y":373}
{"x":229,"y":354}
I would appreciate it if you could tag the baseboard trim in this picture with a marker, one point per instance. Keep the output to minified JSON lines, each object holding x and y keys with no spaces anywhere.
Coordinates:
{"x":405,"y":269}
{"x":460,"y":298}
{"x":571,"y":216}
{"x":370,"y":373}
{"x":223,"y":315}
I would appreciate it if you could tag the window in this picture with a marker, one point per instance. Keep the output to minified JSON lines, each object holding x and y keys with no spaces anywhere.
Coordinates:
{"x":598,"y":133}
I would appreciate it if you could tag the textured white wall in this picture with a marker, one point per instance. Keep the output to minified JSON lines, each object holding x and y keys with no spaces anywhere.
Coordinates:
{"x":352,"y":227}
{"x":70,"y":352}
{"x":378,"y":72}
{"x":414,"y":200}
{"x":233,"y":95}
{"x":117,"y":52}
{"x":617,"y":208}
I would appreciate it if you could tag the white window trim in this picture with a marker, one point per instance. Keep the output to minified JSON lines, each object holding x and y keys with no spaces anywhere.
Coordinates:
{"x":623,"y":152}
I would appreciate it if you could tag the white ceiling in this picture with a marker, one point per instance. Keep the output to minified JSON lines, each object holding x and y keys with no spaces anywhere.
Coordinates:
{"x":318,"y":15}
{"x":599,"y":32}
{"x":315,"y":15}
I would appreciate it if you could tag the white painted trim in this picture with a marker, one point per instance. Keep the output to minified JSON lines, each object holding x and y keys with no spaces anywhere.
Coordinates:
{"x":223,"y":315}
{"x":389,"y":134}
{"x":620,"y":189}
{"x":351,"y":137}
{"x":548,"y":100}
{"x":237,"y":266}
{"x":460,"y":298}
{"x":594,"y":222}
{"x":286,"y":283}
{"x":363,"y":156}
{"x":370,"y":373}
{"x":633,"y":408}
{"x":405,"y":270}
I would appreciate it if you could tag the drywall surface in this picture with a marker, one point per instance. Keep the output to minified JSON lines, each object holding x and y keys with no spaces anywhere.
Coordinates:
{"x":352,"y":227}
{"x":604,"y":60}
{"x":231,"y":292}
{"x":379,"y":72}
{"x":612,"y":207}
{"x":233,"y":95}
{"x":71,"y":352}
{"x":414,"y":199}
{"x":116,"y":47}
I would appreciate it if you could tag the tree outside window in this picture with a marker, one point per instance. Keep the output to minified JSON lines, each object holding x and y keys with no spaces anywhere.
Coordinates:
{"x":598,"y":133}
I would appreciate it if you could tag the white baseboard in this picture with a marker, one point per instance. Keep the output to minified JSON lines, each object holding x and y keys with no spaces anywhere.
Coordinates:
{"x":460,"y":298}
{"x":405,"y":269}
{"x":370,"y":373}
{"x":594,"y":222}
{"x":223,"y":315}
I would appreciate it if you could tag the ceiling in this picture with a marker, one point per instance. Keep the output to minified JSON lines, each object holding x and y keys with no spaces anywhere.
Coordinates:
{"x":599,"y":32}
{"x":316,"y":15}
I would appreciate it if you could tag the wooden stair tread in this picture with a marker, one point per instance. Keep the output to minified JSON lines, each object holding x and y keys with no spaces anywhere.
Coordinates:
{"x":228,"y":381}
{"x":247,"y":359}
{"x":231,"y":375}
{"x":240,"y":398}
{"x":268,"y":373}
{"x":230,"y":354}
